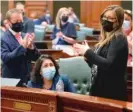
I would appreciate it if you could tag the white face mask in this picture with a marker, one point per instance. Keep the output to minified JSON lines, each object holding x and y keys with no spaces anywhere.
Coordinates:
{"x":126,"y":24}
{"x":48,"y":73}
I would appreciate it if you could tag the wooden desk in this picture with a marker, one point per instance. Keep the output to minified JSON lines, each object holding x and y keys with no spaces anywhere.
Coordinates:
{"x":82,"y":103}
{"x":48,"y":43}
{"x":16,"y":99}
{"x":91,"y":43}
{"x":129,"y":83}
{"x":47,"y":36}
{"x":94,"y":37}
{"x":56,"y":54}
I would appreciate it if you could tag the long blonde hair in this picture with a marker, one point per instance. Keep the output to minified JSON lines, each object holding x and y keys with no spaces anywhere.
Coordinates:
{"x":106,"y":37}
{"x":58,"y":20}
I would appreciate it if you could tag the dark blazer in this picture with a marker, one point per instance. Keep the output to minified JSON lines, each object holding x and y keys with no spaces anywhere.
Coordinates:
{"x":110,"y":81}
{"x":28,"y":25}
{"x":16,"y":59}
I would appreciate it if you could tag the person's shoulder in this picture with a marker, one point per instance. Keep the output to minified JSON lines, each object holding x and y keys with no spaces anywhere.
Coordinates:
{"x":70,"y":24}
{"x":5,"y":35}
{"x":29,"y":21}
{"x":64,"y":77}
{"x":119,"y":40}
{"x":25,"y":18}
{"x":120,"y":35}
{"x":55,"y":29}
{"x":32,"y":84}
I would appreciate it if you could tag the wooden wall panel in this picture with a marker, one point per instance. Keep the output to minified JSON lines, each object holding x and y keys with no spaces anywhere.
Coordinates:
{"x":95,"y":13}
{"x":91,"y":11}
{"x":32,"y":6}
{"x":10,"y":4}
{"x":50,"y":7}
{"x":38,"y":6}
{"x":83,"y":11}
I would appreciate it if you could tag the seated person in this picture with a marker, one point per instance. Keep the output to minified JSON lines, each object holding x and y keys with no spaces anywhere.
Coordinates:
{"x":34,"y":16}
{"x":64,"y":33}
{"x":77,"y":26}
{"x":48,"y":17}
{"x":44,"y":19}
{"x":46,"y":76}
{"x":72,"y":16}
{"x":127,"y":28}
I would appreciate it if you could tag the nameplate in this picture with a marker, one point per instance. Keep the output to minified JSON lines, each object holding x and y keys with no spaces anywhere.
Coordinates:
{"x":22,"y":106}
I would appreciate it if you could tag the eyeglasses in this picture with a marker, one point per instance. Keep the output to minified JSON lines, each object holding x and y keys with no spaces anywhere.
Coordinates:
{"x":108,"y":18}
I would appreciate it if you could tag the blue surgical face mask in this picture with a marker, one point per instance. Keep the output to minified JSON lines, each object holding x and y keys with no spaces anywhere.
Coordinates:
{"x":48,"y":15}
{"x":126,"y":24}
{"x":48,"y":73}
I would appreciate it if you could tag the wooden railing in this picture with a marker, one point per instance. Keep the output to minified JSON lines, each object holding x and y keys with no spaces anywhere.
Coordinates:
{"x":16,"y":99}
{"x":129,"y":83}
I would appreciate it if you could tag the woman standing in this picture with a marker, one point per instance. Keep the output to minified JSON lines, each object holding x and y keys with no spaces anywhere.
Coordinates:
{"x":109,"y":59}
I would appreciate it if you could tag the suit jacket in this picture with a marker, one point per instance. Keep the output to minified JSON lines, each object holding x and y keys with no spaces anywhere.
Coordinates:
{"x":16,"y":59}
{"x":28,"y":25}
{"x":110,"y":81}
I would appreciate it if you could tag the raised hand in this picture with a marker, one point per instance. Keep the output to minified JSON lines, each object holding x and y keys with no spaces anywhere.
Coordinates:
{"x":31,"y":38}
{"x":59,"y":35}
{"x":81,"y":48}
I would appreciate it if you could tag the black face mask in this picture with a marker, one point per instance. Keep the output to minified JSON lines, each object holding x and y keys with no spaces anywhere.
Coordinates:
{"x":17,"y":27}
{"x":64,"y":18}
{"x":107,"y":25}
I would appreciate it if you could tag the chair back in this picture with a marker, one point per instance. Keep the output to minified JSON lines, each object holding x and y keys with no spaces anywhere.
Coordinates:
{"x":78,"y":71}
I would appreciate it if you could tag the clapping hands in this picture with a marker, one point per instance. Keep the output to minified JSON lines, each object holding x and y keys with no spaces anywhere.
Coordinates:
{"x":80,"y":49}
{"x":27,"y":41}
{"x":59,"y":35}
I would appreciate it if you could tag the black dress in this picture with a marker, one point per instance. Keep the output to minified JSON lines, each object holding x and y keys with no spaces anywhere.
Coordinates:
{"x":111,"y":62}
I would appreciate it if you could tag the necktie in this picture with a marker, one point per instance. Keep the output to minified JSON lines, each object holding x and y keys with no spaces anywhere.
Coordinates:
{"x":18,"y":37}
